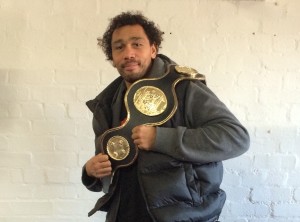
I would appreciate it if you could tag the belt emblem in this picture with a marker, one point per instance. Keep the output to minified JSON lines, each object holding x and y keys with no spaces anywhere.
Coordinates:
{"x":150,"y":100}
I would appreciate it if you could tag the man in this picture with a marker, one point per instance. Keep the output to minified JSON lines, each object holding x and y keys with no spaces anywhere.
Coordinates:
{"x":178,"y":170}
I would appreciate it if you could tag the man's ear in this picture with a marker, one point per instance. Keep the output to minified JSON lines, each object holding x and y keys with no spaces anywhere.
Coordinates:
{"x":154,"y":50}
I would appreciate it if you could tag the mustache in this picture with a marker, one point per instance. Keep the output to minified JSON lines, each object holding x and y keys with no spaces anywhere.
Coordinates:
{"x":129,"y":62}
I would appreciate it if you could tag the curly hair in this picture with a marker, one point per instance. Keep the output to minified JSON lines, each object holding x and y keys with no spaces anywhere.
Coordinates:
{"x":129,"y":18}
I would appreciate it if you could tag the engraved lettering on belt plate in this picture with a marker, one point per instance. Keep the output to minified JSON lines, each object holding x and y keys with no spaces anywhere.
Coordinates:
{"x":150,"y":100}
{"x":118,"y":147}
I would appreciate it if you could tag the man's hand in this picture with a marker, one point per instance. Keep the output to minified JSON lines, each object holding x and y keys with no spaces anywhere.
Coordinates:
{"x":98,"y":166}
{"x":144,"y":136}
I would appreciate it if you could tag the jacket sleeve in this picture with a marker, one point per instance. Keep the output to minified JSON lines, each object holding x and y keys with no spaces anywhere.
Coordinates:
{"x":211,"y":132}
{"x":92,"y":183}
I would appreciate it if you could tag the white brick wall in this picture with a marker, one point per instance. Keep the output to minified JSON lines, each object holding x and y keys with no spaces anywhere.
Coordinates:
{"x":50,"y":65}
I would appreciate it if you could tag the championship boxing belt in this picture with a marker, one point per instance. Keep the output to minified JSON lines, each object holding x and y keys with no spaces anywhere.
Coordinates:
{"x":149,"y":101}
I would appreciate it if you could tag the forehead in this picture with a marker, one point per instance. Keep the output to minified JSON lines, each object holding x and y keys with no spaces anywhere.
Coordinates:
{"x":128,"y":32}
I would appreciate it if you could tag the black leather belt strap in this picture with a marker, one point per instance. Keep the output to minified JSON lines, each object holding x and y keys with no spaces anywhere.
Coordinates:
{"x":150,"y":101}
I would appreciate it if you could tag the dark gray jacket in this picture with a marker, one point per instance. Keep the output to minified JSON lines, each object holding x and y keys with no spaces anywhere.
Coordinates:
{"x":180,"y":179}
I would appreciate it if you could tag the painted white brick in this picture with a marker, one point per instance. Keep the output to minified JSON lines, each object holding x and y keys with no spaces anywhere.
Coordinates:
{"x":53,"y":94}
{"x":53,"y":127}
{"x":279,"y":65}
{"x":289,"y":162}
{"x":271,"y":194}
{"x":232,"y":219}
{"x":76,"y":77}
{"x":4,"y":175}
{"x":17,"y":176}
{"x":74,"y":174}
{"x":3,"y":143}
{"x":15,"y":160}
{"x":54,"y":191}
{"x":277,"y":178}
{"x":232,"y":178}
{"x":108,"y":74}
{"x":13,"y":93}
{"x":30,"y":5}
{"x":36,"y":219}
{"x":271,"y":103}
{"x":67,"y":143}
{"x":297,"y":194}
{"x":260,"y":44}
{"x":86,"y":93}
{"x":12,"y":191}
{"x":3,"y":110}
{"x":86,"y":143}
{"x":14,"y":110}
{"x":57,"y":175}
{"x":291,"y":60}
{"x":77,"y":8}
{"x":257,"y":113}
{"x":55,"y":111}
{"x":286,"y":210}
{"x":5,"y":211}
{"x":255,"y":178}
{"x":78,"y":110}
{"x":243,"y":163}
{"x":237,"y":194}
{"x":295,"y":117}
{"x":34,"y":176}
{"x":291,"y":80}
{"x":32,"y":110}
{"x":73,"y":207}
{"x":248,"y":209}
{"x":30,"y":208}
{"x":66,"y":23}
{"x":290,"y":96}
{"x":3,"y":76}
{"x":83,"y":128}
{"x":30,"y":77}
{"x":293,"y":8}
{"x":272,"y":220}
{"x":291,"y":145}
{"x":284,"y":44}
{"x":52,"y":57}
{"x":267,"y":162}
{"x":29,"y":143}
{"x":293,"y":178}
{"x":89,"y":59}
{"x":57,"y":159}
{"x":244,"y":25}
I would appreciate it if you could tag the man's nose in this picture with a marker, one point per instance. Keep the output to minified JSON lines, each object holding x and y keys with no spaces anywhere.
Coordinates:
{"x":129,"y":52}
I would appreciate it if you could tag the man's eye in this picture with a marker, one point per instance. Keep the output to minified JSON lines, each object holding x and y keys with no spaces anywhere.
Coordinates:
{"x":137,"y":44}
{"x":118,"y":47}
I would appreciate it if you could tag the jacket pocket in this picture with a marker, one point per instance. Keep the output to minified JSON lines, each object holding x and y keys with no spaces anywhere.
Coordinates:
{"x":193,"y":184}
{"x":166,"y":182}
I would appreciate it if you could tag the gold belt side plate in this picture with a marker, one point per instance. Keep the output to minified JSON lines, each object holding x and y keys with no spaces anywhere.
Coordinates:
{"x":150,"y":100}
{"x":118,"y":148}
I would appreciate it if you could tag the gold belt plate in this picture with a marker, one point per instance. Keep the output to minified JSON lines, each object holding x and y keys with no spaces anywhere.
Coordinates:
{"x":118,"y":148}
{"x":150,"y":100}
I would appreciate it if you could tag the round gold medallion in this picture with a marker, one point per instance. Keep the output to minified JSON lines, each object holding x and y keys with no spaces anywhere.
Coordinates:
{"x":150,"y":100}
{"x":117,"y":148}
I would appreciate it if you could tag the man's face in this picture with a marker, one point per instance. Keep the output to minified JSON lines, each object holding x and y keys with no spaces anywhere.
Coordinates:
{"x":131,"y":52}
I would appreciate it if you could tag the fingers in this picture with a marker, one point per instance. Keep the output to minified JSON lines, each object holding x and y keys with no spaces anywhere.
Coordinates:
{"x":144,"y":136}
{"x":98,"y":166}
